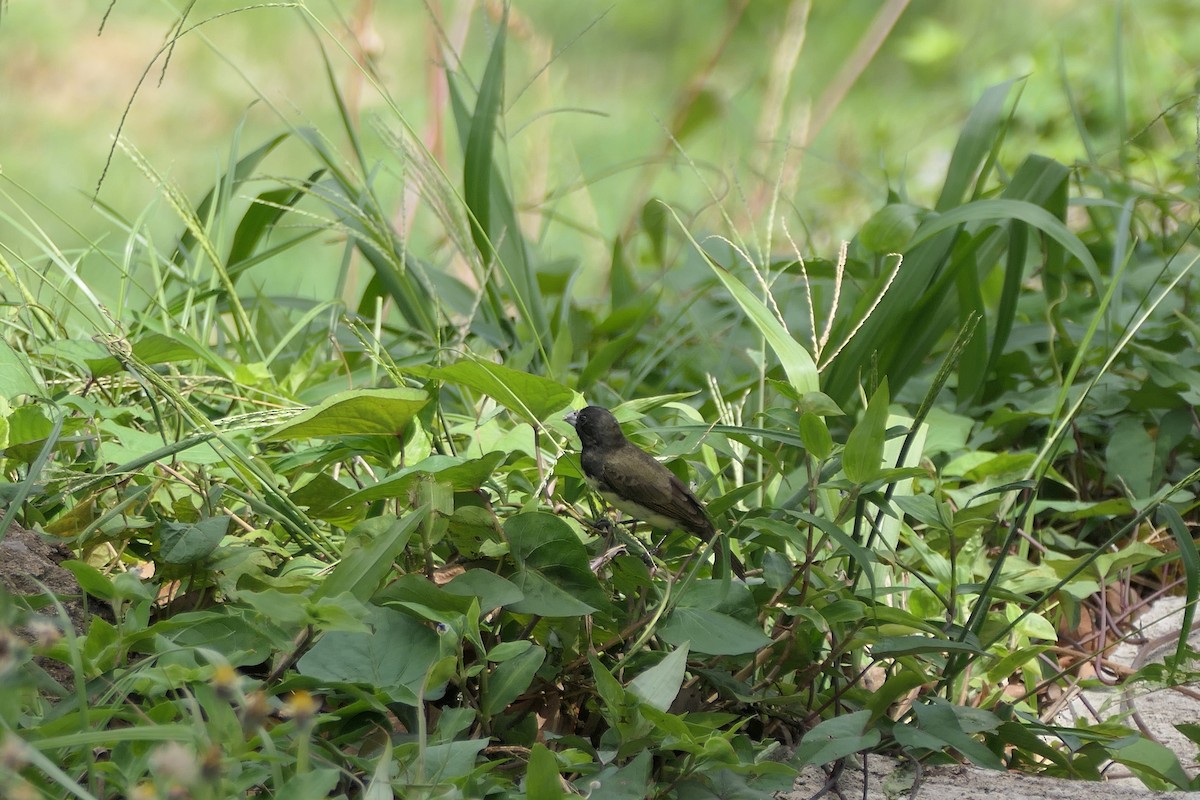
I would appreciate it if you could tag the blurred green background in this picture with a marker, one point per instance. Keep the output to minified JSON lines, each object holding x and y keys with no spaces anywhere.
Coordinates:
{"x":758,"y":93}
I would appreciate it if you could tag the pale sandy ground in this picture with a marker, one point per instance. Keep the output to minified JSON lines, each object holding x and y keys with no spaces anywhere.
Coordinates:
{"x":969,"y":783}
{"x":1158,"y":711}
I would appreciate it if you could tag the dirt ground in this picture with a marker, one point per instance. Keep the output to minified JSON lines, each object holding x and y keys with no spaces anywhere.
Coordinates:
{"x":1154,"y":710}
{"x":890,"y":780}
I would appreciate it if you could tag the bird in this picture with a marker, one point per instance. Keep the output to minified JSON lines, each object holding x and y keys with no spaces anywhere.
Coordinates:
{"x":630,"y":479}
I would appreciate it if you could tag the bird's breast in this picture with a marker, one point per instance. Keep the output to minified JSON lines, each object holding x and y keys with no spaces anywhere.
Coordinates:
{"x":639,"y":511}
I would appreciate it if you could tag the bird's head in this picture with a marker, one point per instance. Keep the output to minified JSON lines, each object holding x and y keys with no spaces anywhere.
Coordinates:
{"x":596,"y":426}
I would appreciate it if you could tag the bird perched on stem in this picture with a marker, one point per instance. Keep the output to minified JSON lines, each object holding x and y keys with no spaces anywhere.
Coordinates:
{"x":632,"y":480}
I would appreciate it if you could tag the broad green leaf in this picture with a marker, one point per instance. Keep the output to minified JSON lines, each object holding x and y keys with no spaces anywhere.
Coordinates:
{"x":898,"y":646}
{"x":546,"y":598}
{"x":15,"y":377}
{"x":815,"y":434}
{"x":862,"y":458}
{"x":534,"y":535}
{"x":340,"y":613}
{"x":953,"y":725}
{"x":542,"y":781}
{"x":712,"y":632}
{"x":554,"y":567}
{"x":659,"y":685}
{"x":394,"y":659}
{"x":845,"y":610}
{"x":837,"y":738}
{"x":458,"y":473}
{"x":1130,"y":457}
{"x":611,"y":692}
{"x":909,"y":678}
{"x":424,"y":598}
{"x":91,"y":580}
{"x":531,"y":397}
{"x":510,"y":678}
{"x":369,"y":555}
{"x":381,"y":412}
{"x":492,"y":590}
{"x":1146,"y":756}
{"x":630,"y":781}
{"x":179,"y":543}
{"x":282,"y":608}
{"x":506,"y":650}
{"x":153,"y":348}
{"x":438,"y":763}
{"x":925,"y":509}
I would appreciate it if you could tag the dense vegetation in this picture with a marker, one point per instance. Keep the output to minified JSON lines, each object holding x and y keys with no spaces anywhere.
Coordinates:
{"x":342,"y":546}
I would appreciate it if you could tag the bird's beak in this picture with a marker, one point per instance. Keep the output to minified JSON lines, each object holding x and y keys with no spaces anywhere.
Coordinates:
{"x":571,"y":418}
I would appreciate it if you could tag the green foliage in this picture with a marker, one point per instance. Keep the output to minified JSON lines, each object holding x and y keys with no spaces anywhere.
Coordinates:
{"x":347,"y":547}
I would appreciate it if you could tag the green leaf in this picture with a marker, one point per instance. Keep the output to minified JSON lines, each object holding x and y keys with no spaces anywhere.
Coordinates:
{"x":546,"y":598}
{"x":654,"y":223}
{"x":369,"y":555}
{"x":659,"y":685}
{"x":153,"y":348}
{"x":380,"y":412}
{"x":980,"y":135}
{"x":1189,"y":729}
{"x":541,"y":777}
{"x":1002,"y":209}
{"x":890,"y":229}
{"x":611,"y":692}
{"x":460,"y":474}
{"x":712,"y":632}
{"x":1189,"y":556}
{"x":952,"y":725}
{"x":260,"y":219}
{"x":837,"y":738}
{"x":91,"y":580}
{"x":15,"y":375}
{"x":899,"y":646}
{"x":282,"y":608}
{"x":241,"y":172}
{"x":510,"y":678}
{"x":815,"y":434}
{"x":481,"y":138}
{"x":863,"y":456}
{"x":179,"y":543}
{"x":796,"y":361}
{"x":393,"y":659}
{"x":1130,"y":457}
{"x":531,"y":397}
{"x":630,"y":781}
{"x":555,"y":576}
{"x":438,"y":763}
{"x":492,"y":590}
{"x":1143,"y":755}
{"x":424,"y":598}
{"x":506,"y":650}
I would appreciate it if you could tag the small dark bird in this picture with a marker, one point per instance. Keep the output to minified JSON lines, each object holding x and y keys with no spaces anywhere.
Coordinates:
{"x":632,"y":480}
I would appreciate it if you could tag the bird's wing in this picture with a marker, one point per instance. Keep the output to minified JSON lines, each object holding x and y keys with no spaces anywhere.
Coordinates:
{"x":634,"y":475}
